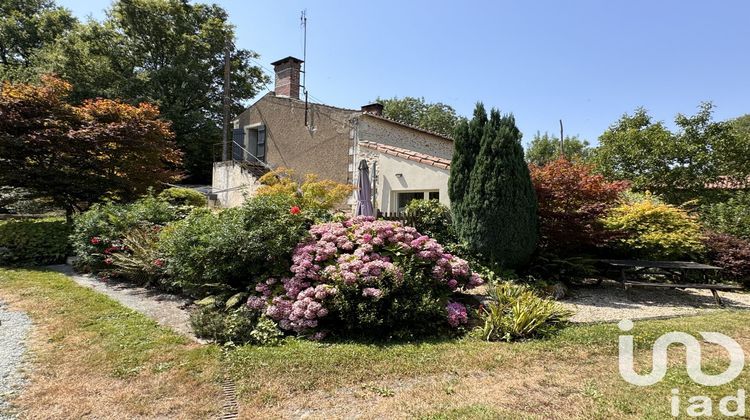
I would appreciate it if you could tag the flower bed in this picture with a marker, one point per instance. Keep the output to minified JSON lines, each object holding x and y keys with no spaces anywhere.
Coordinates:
{"x":367,"y":276}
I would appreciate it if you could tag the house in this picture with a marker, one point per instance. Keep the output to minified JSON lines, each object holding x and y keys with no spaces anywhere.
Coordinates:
{"x":280,"y":130}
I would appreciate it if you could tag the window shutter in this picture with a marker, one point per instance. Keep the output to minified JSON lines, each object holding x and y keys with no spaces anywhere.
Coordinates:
{"x":238,"y":139}
{"x":261,"y":143}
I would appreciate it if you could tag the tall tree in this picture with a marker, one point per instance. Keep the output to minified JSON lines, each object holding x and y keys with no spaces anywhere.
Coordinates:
{"x":167,"y":52}
{"x":25,"y":27}
{"x":437,"y":117}
{"x":677,"y":165}
{"x":545,"y":148}
{"x":498,"y":216}
{"x":79,"y":154}
{"x":466,"y":144}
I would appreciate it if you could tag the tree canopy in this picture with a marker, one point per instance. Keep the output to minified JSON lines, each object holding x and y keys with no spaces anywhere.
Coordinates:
{"x":437,"y":117}
{"x":676,"y":165}
{"x":77,"y":154}
{"x":166,"y":52}
{"x":545,"y":148}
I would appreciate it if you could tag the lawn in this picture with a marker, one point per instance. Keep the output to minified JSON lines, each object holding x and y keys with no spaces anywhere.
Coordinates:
{"x":95,"y":358}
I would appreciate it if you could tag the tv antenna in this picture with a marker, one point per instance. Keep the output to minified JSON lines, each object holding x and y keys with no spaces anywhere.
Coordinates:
{"x":303,"y":23}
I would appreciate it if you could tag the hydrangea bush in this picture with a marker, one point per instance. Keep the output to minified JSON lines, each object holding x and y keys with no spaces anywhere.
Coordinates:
{"x":366,"y":276}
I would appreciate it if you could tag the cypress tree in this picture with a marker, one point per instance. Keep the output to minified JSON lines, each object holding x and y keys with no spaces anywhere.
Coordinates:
{"x":467,"y":136}
{"x":498,"y":209}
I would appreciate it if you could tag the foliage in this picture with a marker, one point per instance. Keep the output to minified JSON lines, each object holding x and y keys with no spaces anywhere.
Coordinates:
{"x":183,"y":197}
{"x":545,"y":148}
{"x":367,"y":277}
{"x":23,"y":201}
{"x":76,"y":154}
{"x":465,"y":150}
{"x":572,"y":200}
{"x":497,"y":215}
{"x":140,"y":260}
{"x":25,"y":27}
{"x":655,"y":230}
{"x":215,"y":324}
{"x":437,"y":117}
{"x":223,"y":253}
{"x":431,"y":218}
{"x":677,"y":165}
{"x":99,"y":232}
{"x":169,"y":52}
{"x":731,"y":216}
{"x":37,"y":242}
{"x":515,"y":312}
{"x":730,"y":253}
{"x":311,"y":194}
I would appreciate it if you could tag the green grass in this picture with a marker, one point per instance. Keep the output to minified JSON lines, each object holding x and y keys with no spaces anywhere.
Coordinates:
{"x":573,"y":373}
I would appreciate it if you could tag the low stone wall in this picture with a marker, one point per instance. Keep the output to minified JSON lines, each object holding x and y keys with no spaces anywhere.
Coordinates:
{"x":231,"y":183}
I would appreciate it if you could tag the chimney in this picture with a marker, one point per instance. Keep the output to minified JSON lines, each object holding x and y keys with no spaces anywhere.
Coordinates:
{"x":374,"y":109}
{"x":287,"y":72}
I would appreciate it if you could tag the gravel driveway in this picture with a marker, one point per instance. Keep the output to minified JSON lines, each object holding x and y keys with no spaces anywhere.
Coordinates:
{"x":610,"y":302}
{"x":14,"y":326}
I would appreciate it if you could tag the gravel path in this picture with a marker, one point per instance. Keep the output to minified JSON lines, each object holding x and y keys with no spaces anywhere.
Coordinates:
{"x":610,"y":302}
{"x":167,"y":310}
{"x":14,"y":326}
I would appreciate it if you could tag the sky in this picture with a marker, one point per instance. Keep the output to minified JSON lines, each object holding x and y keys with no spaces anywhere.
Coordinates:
{"x":583,"y":61}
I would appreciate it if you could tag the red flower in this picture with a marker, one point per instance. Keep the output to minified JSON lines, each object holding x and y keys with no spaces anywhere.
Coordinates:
{"x":295,"y":210}
{"x":108,"y":261}
{"x":96,"y":240}
{"x":159,"y":262}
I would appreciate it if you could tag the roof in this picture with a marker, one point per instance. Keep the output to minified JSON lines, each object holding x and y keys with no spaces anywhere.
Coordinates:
{"x":283,"y":60}
{"x":728,"y":183}
{"x":408,"y":154}
{"x":412,"y":127}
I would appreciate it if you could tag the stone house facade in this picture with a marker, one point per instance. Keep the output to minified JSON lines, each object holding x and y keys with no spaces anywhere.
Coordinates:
{"x":280,"y":130}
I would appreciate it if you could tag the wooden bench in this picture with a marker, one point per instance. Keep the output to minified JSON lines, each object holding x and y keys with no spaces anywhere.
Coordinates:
{"x":676,"y":269}
{"x":713,"y":287}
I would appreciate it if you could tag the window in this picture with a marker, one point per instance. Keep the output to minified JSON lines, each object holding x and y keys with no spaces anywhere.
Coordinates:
{"x":404,"y":198}
{"x":255,"y":143}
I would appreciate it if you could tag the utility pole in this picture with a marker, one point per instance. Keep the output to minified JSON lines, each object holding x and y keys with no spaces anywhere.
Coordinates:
{"x":225,"y":131}
{"x":562,"y":141}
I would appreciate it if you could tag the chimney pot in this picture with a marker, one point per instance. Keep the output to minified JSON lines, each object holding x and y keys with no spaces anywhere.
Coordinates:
{"x":373,"y":108}
{"x":287,"y":71}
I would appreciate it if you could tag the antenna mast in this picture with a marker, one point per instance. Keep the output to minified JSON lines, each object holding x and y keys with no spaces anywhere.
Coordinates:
{"x":303,"y":22}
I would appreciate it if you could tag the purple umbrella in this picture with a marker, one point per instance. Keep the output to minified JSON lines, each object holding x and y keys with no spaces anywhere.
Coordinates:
{"x":364,"y":192}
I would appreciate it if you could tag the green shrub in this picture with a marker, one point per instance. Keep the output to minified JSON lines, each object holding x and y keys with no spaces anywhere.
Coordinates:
{"x":37,"y":242}
{"x":225,"y":253}
{"x":431,"y":218}
{"x":99,"y":231}
{"x":652,"y":229}
{"x":140,"y":260}
{"x":183,"y":197}
{"x":217,"y":325}
{"x":516,"y":312}
{"x":731,"y":216}
{"x":237,"y":326}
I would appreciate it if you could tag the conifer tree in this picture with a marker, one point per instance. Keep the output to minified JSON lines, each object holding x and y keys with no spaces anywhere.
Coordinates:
{"x":465,"y":150}
{"x":497,"y":209}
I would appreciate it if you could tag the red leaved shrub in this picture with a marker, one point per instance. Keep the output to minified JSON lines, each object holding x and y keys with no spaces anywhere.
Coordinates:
{"x":730,"y":253}
{"x":572,"y":200}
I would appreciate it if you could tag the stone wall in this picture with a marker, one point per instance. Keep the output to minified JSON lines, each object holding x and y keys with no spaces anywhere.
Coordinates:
{"x":232,"y":183}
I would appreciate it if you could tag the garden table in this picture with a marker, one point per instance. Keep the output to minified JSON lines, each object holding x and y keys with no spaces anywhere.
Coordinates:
{"x":676,"y":269}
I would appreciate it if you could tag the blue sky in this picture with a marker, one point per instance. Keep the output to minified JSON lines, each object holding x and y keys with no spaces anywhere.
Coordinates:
{"x":585,"y":62}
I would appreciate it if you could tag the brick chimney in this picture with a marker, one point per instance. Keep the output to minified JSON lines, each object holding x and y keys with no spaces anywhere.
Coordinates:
{"x":287,"y":72}
{"x":374,"y":109}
